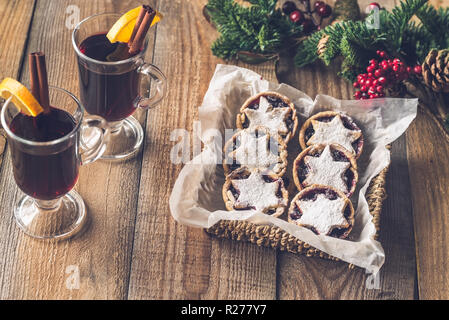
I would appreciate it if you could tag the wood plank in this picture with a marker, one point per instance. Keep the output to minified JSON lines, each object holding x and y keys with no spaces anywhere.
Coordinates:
{"x":313,"y":278}
{"x":39,"y":270}
{"x":171,"y":261}
{"x":300,"y":277}
{"x":15,"y":18}
{"x":429,"y":175}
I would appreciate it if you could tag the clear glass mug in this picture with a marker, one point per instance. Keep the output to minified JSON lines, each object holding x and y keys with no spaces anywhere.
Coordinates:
{"x":114,"y":90}
{"x":47,"y":171}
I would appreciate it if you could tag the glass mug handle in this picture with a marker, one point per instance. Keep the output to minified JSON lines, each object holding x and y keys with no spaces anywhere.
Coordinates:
{"x":93,"y":142}
{"x":151,"y":74}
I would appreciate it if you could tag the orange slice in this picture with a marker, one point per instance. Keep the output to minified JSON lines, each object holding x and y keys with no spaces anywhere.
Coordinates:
{"x":121,"y":30}
{"x":22,"y":98}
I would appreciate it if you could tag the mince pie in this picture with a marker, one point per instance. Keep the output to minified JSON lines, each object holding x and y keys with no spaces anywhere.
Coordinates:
{"x":255,"y":149}
{"x":324,"y":210}
{"x":255,"y":190}
{"x":329,"y":165}
{"x":330,"y":127}
{"x":271,"y":110}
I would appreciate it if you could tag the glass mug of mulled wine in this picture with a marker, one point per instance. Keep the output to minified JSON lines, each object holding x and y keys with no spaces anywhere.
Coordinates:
{"x":114,"y":85}
{"x":46,"y":153}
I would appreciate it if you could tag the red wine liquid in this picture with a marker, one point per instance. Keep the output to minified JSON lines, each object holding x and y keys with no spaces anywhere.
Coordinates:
{"x":110,"y":96}
{"x":44,"y":176}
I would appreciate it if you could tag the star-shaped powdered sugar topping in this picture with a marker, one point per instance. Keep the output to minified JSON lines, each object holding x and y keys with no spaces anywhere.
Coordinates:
{"x":254,"y":151}
{"x":267,"y":116}
{"x":333,"y":132}
{"x":326,"y":171}
{"x":256,"y":192}
{"x":323,"y":214}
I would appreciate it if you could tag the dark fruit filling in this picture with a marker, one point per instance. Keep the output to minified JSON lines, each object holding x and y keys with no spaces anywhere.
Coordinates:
{"x":339,"y":156}
{"x":266,"y":178}
{"x":234,"y":166}
{"x":232,"y":162}
{"x":337,"y":232}
{"x":279,"y":191}
{"x":276,"y":103}
{"x":347,"y":123}
{"x":312,"y":195}
{"x":303,"y":170}
{"x":296,"y":213}
{"x":349,"y":177}
{"x":234,"y":191}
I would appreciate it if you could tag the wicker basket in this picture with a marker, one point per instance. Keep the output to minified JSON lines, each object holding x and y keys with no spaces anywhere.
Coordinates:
{"x":276,"y":238}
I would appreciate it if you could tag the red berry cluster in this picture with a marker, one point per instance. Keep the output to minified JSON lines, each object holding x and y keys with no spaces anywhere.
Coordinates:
{"x":382,"y":75}
{"x":305,"y":17}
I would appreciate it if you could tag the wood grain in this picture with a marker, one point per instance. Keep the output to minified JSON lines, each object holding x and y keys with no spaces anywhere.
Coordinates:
{"x":39,"y":270}
{"x":171,"y":261}
{"x":2,"y":145}
{"x":312,"y":278}
{"x":132,"y":247}
{"x":429,"y":176}
{"x":15,"y":18}
{"x":427,"y":151}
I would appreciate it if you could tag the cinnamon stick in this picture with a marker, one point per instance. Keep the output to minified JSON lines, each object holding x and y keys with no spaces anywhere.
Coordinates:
{"x":141,"y":28}
{"x":39,"y":79}
{"x":142,"y":13}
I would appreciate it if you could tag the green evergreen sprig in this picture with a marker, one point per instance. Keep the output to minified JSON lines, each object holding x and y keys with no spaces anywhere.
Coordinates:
{"x":260,"y":28}
{"x":259,"y":32}
{"x":401,"y":37}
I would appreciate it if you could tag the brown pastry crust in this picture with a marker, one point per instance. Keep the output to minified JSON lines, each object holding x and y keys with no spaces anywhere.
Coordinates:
{"x":231,"y":146}
{"x":294,"y":213}
{"x":318,"y":149}
{"x":330,"y":114}
{"x":243,"y":173}
{"x":241,"y":117}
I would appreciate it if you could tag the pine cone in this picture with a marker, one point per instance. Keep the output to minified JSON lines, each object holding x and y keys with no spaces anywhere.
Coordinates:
{"x":435,"y":70}
{"x":321,"y":47}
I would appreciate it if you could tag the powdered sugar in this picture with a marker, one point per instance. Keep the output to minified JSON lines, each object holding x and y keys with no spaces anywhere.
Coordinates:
{"x":326,"y":171}
{"x":333,"y":132}
{"x":254,"y":152}
{"x":267,"y":116}
{"x":322,"y":214}
{"x":256,"y":192}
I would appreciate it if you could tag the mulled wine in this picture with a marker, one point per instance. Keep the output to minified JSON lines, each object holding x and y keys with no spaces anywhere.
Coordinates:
{"x":112,"y":95}
{"x":50,"y":175}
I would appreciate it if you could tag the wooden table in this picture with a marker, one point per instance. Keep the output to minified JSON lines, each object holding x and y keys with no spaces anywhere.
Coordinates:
{"x":133,"y":249}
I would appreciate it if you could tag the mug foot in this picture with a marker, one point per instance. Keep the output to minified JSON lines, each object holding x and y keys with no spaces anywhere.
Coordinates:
{"x":125,"y":140}
{"x":54,"y":219}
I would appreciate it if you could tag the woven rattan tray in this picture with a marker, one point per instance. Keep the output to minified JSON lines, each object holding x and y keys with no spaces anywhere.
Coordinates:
{"x":276,"y":238}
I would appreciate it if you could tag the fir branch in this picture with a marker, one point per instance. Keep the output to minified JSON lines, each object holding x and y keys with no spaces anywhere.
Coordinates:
{"x":307,"y":50}
{"x":396,"y":33}
{"x":259,"y":28}
{"x":416,"y":44}
{"x":399,"y":19}
{"x":436,"y":22}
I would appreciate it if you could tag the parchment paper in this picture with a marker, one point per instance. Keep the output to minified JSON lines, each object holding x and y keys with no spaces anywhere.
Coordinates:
{"x":196,"y":199}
